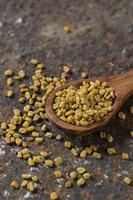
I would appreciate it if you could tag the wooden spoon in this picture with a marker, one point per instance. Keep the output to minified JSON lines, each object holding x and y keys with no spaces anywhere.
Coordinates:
{"x":122,"y":85}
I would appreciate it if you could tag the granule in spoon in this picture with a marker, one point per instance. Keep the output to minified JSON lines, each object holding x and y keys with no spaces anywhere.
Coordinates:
{"x":85,"y":105}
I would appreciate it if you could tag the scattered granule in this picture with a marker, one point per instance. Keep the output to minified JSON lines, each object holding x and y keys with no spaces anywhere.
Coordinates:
{"x":67,"y":29}
{"x":127,"y":180}
{"x":88,"y":150}
{"x":24,"y":183}
{"x":58,"y":161}
{"x":111,"y":151}
{"x":83,"y":154}
{"x":22,"y":74}
{"x":9,"y":81}
{"x":34,"y":61}
{"x":26,"y":176}
{"x":48,"y":135}
{"x":58,"y":174}
{"x":131,"y":109}
{"x":27,"y":95}
{"x":131,"y":133}
{"x":97,"y":155}
{"x":74,"y":152}
{"x":49,"y":163}
{"x":39,"y":66}
{"x":44,"y":127}
{"x":23,"y":85}
{"x":86,"y":176}
{"x":26,"y":156}
{"x":19,"y":155}
{"x":53,"y":196}
{"x":63,"y":75}
{"x":37,"y":159}
{"x":14,"y":184}
{"x":8,"y":72}
{"x":0,"y":131}
{"x":67,"y":144}
{"x":30,"y":162}
{"x":125,"y":156}
{"x":81,"y":170}
{"x":84,"y":75}
{"x":73,"y":174}
{"x":25,"y":151}
{"x":39,"y":139}
{"x":8,"y":140}
{"x":109,"y":138}
{"x":122,"y":115}
{"x":44,"y":154}
{"x":103,"y":135}
{"x":68,"y":184}
{"x":3,"y":126}
{"x":66,"y":69}
{"x":30,"y":186}
{"x":58,"y":137}
{"x":9,"y":93}
{"x":24,"y":144}
{"x":93,"y":147}
{"x":34,"y":178}
{"x":23,"y":90}
{"x":35,"y":134}
{"x":80,"y":182}
{"x":18,"y":141}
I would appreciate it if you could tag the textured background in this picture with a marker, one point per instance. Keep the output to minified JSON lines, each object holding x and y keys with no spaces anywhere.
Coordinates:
{"x":101,"y":43}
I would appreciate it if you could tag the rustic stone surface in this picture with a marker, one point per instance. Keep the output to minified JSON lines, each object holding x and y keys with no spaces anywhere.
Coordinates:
{"x":101,"y":44}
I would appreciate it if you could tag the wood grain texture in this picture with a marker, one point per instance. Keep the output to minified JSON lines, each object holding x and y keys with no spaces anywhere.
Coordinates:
{"x":123,"y":86}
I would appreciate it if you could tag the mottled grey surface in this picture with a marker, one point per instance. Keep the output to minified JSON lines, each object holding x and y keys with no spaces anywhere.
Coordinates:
{"x":101,"y":43}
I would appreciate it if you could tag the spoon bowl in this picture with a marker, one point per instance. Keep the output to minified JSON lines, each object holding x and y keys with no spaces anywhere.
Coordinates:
{"x":123,"y":87}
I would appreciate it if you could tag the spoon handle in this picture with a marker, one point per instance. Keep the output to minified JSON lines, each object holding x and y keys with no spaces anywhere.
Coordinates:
{"x":123,"y":83}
